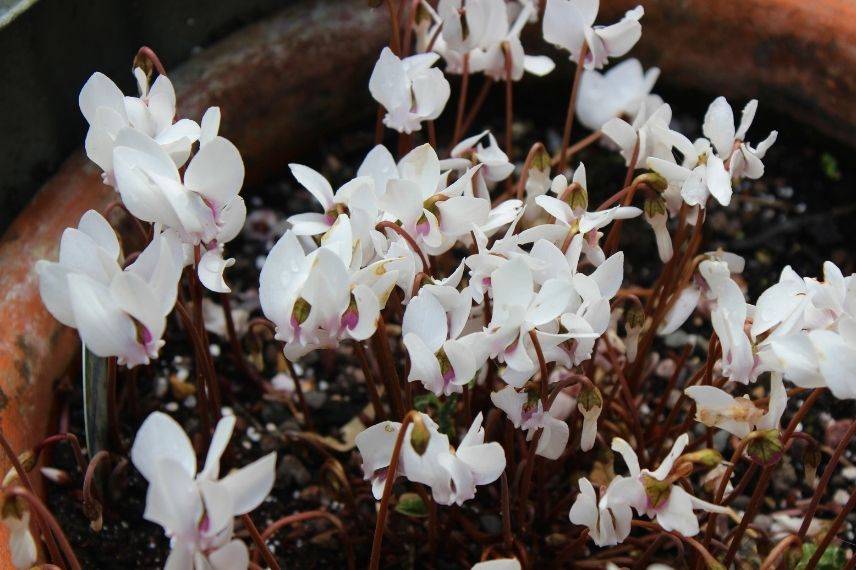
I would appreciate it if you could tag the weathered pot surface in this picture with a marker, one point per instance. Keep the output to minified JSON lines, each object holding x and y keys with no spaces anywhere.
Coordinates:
{"x":280,"y":83}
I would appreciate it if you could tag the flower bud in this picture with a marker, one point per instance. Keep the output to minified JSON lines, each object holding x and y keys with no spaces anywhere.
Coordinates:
{"x":765,"y":446}
{"x":541,"y":160}
{"x":27,"y":461}
{"x":419,"y":435}
{"x":707,"y":457}
{"x":13,"y":507}
{"x":634,"y":318}
{"x":654,"y":180}
{"x":811,"y":460}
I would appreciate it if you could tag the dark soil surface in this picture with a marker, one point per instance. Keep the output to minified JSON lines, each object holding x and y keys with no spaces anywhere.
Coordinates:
{"x":800,"y":213}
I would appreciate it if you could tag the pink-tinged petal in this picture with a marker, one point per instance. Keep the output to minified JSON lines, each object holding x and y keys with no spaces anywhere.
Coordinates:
{"x":314,"y":183}
{"x":584,"y":510}
{"x":620,"y":37}
{"x":609,"y":275}
{"x":457,"y":215}
{"x":95,"y":226}
{"x":677,"y":514}
{"x":486,"y":462}
{"x":837,"y":362}
{"x":388,"y":83}
{"x":424,"y":366}
{"x":216,"y":172}
{"x":511,"y":402}
{"x":512,"y":284}
{"x":209,"y":126}
{"x":426,"y":318}
{"x":680,"y":311}
{"x":367,"y":312}
{"x":554,"y":438}
{"x":666,"y":466}
{"x":210,"y":270}
{"x":718,"y":180}
{"x":375,"y":445}
{"x":104,"y":328}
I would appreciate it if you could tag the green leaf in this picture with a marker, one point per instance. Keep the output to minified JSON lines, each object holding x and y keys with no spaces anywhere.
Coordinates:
{"x":832,"y":558}
{"x":411,"y":505}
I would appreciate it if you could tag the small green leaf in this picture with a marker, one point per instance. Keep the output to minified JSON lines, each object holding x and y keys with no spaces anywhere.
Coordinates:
{"x":832,"y":558}
{"x":411,"y":505}
{"x":830,"y":166}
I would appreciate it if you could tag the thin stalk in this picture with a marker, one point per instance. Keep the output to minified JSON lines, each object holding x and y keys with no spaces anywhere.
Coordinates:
{"x":824,"y":479}
{"x":234,"y":341}
{"x":25,"y":479}
{"x":46,"y":518}
{"x":507,"y":537}
{"x":270,"y":559}
{"x":520,"y":190}
{"x":91,"y":504}
{"x":778,"y":551}
{"x":477,"y":104}
{"x":462,"y":99}
{"x":371,"y":385}
{"x":614,"y":236}
{"x":572,"y":103}
{"x":202,"y":407}
{"x":509,"y":105}
{"x":833,"y":530}
{"x":394,"y":33}
{"x":72,"y":441}
{"x":387,"y":225}
{"x":380,"y":345}
{"x":145,"y":52}
{"x":411,"y":22}
{"x":584,"y":142}
{"x":298,"y":389}
{"x":383,"y":510}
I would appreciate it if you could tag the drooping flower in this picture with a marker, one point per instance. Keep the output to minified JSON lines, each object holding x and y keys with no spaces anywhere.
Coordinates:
{"x":411,"y":90}
{"x":427,"y":458}
{"x":608,"y":524}
{"x":438,"y":358}
{"x":619,"y":92}
{"x":739,"y":416}
{"x":743,"y":160}
{"x":526,"y":412}
{"x":655,"y":494}
{"x":23,"y":552}
{"x":197,"y":510}
{"x":569,"y":24}
{"x":117,"y":312}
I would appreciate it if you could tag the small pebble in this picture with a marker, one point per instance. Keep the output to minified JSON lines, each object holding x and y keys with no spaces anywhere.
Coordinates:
{"x":190,"y":402}
{"x":171,"y":406}
{"x":841,"y":497}
{"x":214,"y":349}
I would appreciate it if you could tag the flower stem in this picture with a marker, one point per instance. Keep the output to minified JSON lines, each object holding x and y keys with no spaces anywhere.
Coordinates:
{"x":477,"y":104}
{"x":833,"y":530}
{"x":371,"y":385}
{"x":259,"y":541}
{"x":572,"y":103}
{"x":383,"y":510}
{"x":462,"y":99}
{"x":824,"y":479}
{"x":383,"y":354}
{"x":46,"y":518}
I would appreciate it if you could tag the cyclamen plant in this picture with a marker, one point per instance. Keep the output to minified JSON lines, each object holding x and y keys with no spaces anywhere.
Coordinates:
{"x":487,"y":283}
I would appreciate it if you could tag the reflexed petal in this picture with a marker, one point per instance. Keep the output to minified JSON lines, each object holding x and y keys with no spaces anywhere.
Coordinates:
{"x":104,"y":328}
{"x":718,"y":180}
{"x":249,"y":485}
{"x":100,"y":91}
{"x":677,"y":514}
{"x":485,"y":461}
{"x":666,"y":466}
{"x":316,"y":184}
{"x":219,"y":442}
{"x":210,"y":125}
{"x":426,"y":318}
{"x":160,"y":437}
{"x":554,"y":438}
{"x":623,"y":448}
{"x":719,"y":126}
{"x":210,"y":270}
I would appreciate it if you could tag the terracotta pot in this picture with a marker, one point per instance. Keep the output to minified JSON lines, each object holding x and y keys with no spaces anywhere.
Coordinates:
{"x":285,"y":82}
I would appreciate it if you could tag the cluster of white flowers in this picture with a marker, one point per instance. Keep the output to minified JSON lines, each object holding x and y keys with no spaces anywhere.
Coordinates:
{"x":518,"y":296}
{"x":140,"y":150}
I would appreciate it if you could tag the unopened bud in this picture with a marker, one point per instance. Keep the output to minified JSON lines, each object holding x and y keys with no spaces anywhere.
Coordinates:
{"x":422,"y":14}
{"x":765,"y":446}
{"x":652,"y":179}
{"x":300,"y":312}
{"x":419,"y":435}
{"x":706,"y":457}
{"x":56,"y":476}
{"x":13,"y":507}
{"x":655,"y":207}
{"x":811,"y":460}
{"x":541,"y":160}
{"x":590,"y":397}
{"x":27,"y":461}
{"x":634,"y":318}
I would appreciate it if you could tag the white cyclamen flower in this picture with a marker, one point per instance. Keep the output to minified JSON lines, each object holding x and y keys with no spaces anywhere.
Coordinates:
{"x":526,"y":412}
{"x":108,"y":111}
{"x":452,"y":474}
{"x":23,"y":553}
{"x":619,"y":92}
{"x":608,"y":525}
{"x":654,"y":494}
{"x":117,"y":312}
{"x":569,"y":24}
{"x":197,"y":510}
{"x":728,"y":140}
{"x":410,"y":90}
{"x":738,"y":416}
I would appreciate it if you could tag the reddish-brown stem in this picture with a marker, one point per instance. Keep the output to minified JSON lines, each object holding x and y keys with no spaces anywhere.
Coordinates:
{"x":569,"y":118}
{"x":383,"y":510}
{"x":387,"y":225}
{"x":371,"y":385}
{"x":614,"y":236}
{"x":527,"y":165}
{"x":118,"y":205}
{"x":509,"y":104}
{"x":477,"y":104}
{"x":507,"y":537}
{"x":541,"y":364}
{"x":776,"y":553}
{"x":51,"y":526}
{"x":378,"y":133}
{"x":766,"y":473}
{"x":462,"y":99}
{"x":92,"y":504}
{"x":301,"y":398}
{"x":673,"y":380}
{"x":259,"y":541}
{"x":411,"y":22}
{"x":824,"y":479}
{"x":584,"y":142}
{"x":72,"y":441}
{"x":234,"y":341}
{"x":25,"y":479}
{"x":202,"y":407}
{"x":394,"y":33}
{"x":199,"y":324}
{"x":383,"y":354}
{"x":432,"y":134}
{"x":149,"y":54}
{"x":833,"y":530}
